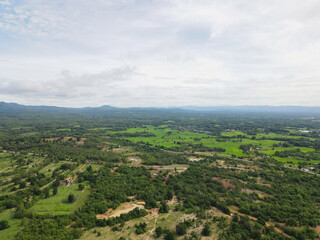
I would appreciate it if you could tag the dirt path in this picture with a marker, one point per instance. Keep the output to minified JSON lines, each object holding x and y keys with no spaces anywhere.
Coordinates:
{"x":75,"y":176}
{"x":154,"y":227}
{"x":173,"y":200}
{"x":277,"y":230}
{"x":267,"y":224}
{"x":166,"y":178}
{"x":43,"y":187}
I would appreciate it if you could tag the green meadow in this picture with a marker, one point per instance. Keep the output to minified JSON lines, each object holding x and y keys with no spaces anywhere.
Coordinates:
{"x":5,"y":161}
{"x":230,"y":141}
{"x":58,"y":204}
{"x":14,"y":225}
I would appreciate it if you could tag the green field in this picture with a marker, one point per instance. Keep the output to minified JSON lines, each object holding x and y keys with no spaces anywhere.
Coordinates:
{"x":5,"y":161}
{"x":14,"y":225}
{"x":58,"y":205}
{"x":174,"y":138}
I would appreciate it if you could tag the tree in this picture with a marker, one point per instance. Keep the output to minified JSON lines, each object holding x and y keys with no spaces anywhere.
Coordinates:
{"x":89,"y":169}
{"x":55,"y":191}
{"x":56,"y":183}
{"x":4,"y":224}
{"x":158,"y":232}
{"x":206,"y":231}
{"x":81,"y":187}
{"x":22,"y":185}
{"x":235,"y":218}
{"x":71,"y":198}
{"x":164,"y":208}
{"x":169,"y":236}
{"x":46,"y":193}
{"x":141,"y":228}
{"x":181,"y":229}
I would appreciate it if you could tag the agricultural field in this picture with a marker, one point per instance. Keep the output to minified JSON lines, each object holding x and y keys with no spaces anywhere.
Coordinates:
{"x":231,"y":142}
{"x":169,"y":177}
{"x":58,"y":204}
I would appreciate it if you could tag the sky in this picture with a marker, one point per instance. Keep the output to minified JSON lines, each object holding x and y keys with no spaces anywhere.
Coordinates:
{"x":160,"y":53}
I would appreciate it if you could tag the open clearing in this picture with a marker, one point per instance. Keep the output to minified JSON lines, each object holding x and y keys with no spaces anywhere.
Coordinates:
{"x":14,"y":224}
{"x":58,"y":205}
{"x":122,"y":209}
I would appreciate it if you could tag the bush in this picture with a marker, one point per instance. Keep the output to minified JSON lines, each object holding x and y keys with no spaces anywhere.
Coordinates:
{"x":141,"y":228}
{"x":158,"y":232}
{"x":164,"y":208}
{"x":181,"y":229}
{"x":4,"y":224}
{"x":206,"y":231}
{"x":169,"y":236}
{"x":71,"y":198}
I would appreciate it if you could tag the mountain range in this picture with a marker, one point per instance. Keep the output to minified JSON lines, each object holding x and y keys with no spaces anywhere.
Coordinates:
{"x":19,"y":108}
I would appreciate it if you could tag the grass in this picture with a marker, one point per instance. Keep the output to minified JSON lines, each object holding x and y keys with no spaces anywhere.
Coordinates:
{"x":170,"y":138}
{"x":295,"y":161}
{"x":263,"y":143}
{"x":64,"y":129}
{"x":99,"y":128}
{"x":14,"y":224}
{"x":233,"y":134}
{"x":58,"y":204}
{"x":272,"y":150}
{"x":5,"y":161}
{"x":165,"y":220}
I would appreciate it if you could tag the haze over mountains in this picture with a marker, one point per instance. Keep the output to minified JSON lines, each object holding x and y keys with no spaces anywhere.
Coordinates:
{"x":19,"y":108}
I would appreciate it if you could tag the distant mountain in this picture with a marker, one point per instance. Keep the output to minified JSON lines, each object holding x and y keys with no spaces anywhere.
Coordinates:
{"x":12,"y":108}
{"x":258,"y":109}
{"x":104,"y":107}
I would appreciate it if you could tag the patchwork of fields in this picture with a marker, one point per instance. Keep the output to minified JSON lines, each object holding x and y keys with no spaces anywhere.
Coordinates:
{"x":230,"y":141}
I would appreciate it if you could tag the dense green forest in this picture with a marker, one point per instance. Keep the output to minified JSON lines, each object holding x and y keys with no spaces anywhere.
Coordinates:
{"x":159,"y":174}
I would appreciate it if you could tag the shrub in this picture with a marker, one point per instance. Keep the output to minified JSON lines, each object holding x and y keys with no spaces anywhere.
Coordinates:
{"x":71,"y":198}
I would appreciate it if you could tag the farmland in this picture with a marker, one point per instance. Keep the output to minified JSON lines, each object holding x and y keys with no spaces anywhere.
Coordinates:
{"x":58,"y":204}
{"x":230,"y":141}
{"x":144,"y":177}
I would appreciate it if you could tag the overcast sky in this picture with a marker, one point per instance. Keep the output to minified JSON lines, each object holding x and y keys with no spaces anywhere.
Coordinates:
{"x":160,"y":52}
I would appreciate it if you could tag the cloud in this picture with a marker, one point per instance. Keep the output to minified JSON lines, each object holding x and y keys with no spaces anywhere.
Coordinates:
{"x":5,"y":2}
{"x":68,"y":85}
{"x":184,"y":52}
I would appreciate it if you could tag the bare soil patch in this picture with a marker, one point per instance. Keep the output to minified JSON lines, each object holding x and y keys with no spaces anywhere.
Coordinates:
{"x":226,"y":183}
{"x":122,"y":209}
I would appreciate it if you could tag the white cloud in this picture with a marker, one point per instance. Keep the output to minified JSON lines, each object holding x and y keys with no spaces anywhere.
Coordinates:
{"x":205,"y":52}
{"x":68,"y":86}
{"x":5,"y":2}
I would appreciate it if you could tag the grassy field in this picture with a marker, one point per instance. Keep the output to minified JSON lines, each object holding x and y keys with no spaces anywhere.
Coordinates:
{"x":233,"y":134}
{"x":153,"y":220}
{"x":5,"y":161}
{"x":14,"y":224}
{"x":165,"y":220}
{"x":294,"y":161}
{"x":58,"y":204}
{"x":47,"y":170}
{"x":272,"y":150}
{"x":173,"y":138}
